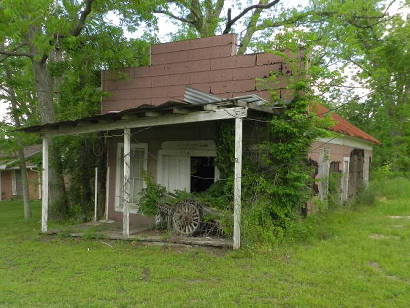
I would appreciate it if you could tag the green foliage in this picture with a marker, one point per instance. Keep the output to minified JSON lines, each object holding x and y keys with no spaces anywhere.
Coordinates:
{"x":390,"y":188}
{"x":333,"y":196}
{"x":283,"y":186}
{"x":49,"y":38}
{"x":150,"y":197}
{"x":225,"y":148}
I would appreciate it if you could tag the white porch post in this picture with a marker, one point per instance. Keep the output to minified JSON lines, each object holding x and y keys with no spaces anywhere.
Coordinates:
{"x":95,"y":194}
{"x":126,"y":190}
{"x":107,"y":191}
{"x":237,"y":185}
{"x":44,"y":202}
{"x":13,"y":183}
{"x":345,"y":179}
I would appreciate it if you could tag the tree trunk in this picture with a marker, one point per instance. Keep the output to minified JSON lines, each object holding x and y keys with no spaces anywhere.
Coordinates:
{"x":22,"y":159}
{"x":24,"y":179}
{"x":44,"y":88}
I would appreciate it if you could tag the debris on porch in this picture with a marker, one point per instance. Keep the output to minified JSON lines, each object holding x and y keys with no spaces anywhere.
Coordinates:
{"x":113,"y":231}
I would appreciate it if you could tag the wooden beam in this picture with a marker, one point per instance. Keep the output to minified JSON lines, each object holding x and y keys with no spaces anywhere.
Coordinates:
{"x":169,"y":119}
{"x":127,"y":186}
{"x":152,"y":114}
{"x":132,"y":117}
{"x":44,"y":195}
{"x":210,"y":107}
{"x":179,"y":110}
{"x":237,"y":184}
{"x":95,"y":194}
{"x":256,"y":107}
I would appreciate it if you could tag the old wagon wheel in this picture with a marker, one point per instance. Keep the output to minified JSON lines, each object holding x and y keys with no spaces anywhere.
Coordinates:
{"x":187,"y":217}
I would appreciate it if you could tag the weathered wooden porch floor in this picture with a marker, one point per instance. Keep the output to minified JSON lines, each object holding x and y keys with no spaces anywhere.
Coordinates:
{"x":113,"y":231}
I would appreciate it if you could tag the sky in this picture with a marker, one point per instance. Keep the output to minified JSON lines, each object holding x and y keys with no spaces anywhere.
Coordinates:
{"x":166,"y":27}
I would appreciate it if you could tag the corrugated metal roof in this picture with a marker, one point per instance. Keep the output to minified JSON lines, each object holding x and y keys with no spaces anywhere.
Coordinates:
{"x":342,"y":125}
{"x":197,"y":97}
{"x":251,"y":99}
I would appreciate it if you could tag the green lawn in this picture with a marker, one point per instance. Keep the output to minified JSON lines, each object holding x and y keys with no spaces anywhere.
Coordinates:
{"x":359,"y":258}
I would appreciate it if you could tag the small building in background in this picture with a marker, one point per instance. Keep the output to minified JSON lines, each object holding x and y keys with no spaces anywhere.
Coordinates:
{"x":11,"y":186}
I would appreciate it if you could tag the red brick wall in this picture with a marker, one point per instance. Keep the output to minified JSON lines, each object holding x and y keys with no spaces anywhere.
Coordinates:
{"x":210,"y":65}
{"x":6,"y":192}
{"x":33,"y":181}
{"x":6,"y":185}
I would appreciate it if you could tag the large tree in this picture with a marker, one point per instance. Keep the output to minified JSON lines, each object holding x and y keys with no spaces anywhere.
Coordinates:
{"x":358,"y":54}
{"x":16,"y":89}
{"x":46,"y":32}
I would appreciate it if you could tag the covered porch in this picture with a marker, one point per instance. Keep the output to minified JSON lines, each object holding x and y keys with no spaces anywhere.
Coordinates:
{"x":137,"y":122}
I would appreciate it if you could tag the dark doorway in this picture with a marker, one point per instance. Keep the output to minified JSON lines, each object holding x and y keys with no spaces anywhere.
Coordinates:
{"x":202,"y":173}
{"x":355,"y":171}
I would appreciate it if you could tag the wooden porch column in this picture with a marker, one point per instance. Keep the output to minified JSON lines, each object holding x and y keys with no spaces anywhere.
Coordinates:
{"x":95,"y":194}
{"x":44,"y":195}
{"x":237,"y":185}
{"x":107,"y":191}
{"x":345,"y":179}
{"x":126,"y":190}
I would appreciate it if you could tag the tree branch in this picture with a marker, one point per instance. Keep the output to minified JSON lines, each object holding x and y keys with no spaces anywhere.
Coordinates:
{"x":81,"y":22}
{"x":13,"y":53}
{"x":252,"y":7}
{"x":182,"y":19}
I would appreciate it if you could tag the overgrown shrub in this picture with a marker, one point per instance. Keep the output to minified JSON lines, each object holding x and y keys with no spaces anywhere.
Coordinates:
{"x":150,"y":197}
{"x":333,"y":196}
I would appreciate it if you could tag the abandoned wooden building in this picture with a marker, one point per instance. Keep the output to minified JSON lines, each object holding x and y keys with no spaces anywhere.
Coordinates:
{"x":163,"y":120}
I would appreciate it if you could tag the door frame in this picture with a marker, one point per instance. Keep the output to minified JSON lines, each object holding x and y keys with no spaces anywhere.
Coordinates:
{"x":186,"y":149}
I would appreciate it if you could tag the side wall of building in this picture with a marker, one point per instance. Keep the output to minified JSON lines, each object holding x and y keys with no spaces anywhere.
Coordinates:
{"x":6,"y":190}
{"x":341,"y":158}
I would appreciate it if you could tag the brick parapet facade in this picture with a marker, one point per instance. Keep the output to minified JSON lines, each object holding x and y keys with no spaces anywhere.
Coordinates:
{"x":209,"y":65}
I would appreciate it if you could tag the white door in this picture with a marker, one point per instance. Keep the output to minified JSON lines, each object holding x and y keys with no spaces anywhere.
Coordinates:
{"x":175,"y":172}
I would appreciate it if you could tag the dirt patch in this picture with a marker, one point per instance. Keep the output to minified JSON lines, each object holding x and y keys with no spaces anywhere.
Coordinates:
{"x":399,"y":217}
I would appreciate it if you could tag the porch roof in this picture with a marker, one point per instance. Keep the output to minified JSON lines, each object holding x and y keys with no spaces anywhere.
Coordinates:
{"x":168,"y":113}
